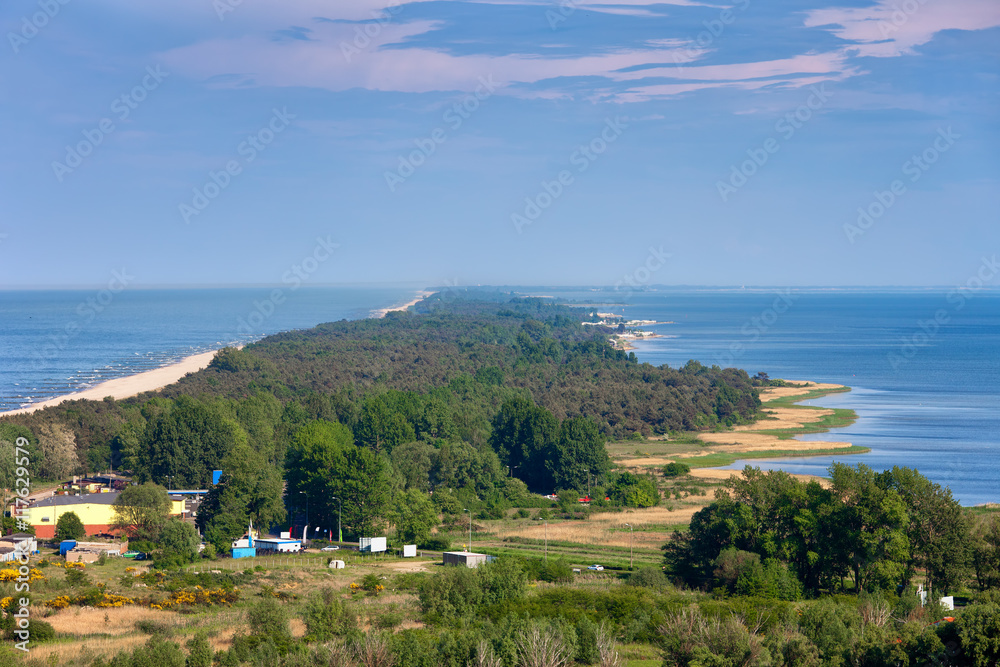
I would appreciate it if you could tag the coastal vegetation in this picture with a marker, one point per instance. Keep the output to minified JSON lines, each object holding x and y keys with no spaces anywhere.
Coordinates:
{"x":505,"y":427}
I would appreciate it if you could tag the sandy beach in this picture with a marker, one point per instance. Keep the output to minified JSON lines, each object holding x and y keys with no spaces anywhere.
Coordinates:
{"x":130,"y":385}
{"x":749,"y":439}
{"x":156,"y":379}
{"x":381,"y":312}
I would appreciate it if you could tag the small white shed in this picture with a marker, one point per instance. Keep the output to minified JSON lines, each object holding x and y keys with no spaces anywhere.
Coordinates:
{"x":409,"y":551}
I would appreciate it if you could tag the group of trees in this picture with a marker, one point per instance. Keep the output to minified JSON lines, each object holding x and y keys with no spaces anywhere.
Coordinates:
{"x":877,"y":529}
{"x":460,"y":398}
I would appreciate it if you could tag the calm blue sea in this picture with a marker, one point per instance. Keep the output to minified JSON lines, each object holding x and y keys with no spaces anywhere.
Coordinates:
{"x":56,"y":342}
{"x":924,"y":367}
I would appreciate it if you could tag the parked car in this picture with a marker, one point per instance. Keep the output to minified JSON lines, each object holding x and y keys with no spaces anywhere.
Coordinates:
{"x":141,"y":556}
{"x":596,"y":568}
{"x":332,"y":547}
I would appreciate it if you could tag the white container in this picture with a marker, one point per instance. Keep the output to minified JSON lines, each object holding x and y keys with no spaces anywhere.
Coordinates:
{"x":372,"y":544}
{"x":409,"y":551}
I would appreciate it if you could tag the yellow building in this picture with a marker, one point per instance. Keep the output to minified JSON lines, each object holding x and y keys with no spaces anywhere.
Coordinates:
{"x":94,"y":509}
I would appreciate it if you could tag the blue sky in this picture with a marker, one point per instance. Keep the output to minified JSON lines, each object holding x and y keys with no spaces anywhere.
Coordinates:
{"x":516,"y":142}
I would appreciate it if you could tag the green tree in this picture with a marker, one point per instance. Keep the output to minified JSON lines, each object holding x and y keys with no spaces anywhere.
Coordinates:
{"x":179,"y":538}
{"x":985,"y":548}
{"x":938,"y":530}
{"x":381,"y":428}
{"x":578,"y":454}
{"x":634,"y":491}
{"x":324,"y":463}
{"x":872,"y":523}
{"x":413,"y":462}
{"x":141,"y":510}
{"x":184,"y":444}
{"x":524,"y":437}
{"x":69,"y":527}
{"x":249,"y":490}
{"x":414,"y":516}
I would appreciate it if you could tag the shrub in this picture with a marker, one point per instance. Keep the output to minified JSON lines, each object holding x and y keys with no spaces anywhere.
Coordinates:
{"x":268,"y":621}
{"x":438,"y":543}
{"x":200,"y":653}
{"x":327,"y":616}
{"x":453,"y":592}
{"x":648,"y":577}
{"x":76,"y":577}
{"x":672,"y":470}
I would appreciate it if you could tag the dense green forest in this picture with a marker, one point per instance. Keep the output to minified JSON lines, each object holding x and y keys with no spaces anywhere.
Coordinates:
{"x":425,"y":423}
{"x":465,"y":396}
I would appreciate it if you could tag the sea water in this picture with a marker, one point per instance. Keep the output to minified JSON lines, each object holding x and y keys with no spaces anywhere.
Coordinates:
{"x":56,"y":342}
{"x":923,"y":365}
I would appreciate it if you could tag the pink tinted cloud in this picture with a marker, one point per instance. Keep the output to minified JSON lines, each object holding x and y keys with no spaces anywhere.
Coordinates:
{"x":894,"y":28}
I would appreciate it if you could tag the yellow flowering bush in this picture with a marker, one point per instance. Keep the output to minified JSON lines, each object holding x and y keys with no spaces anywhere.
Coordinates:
{"x":8,"y":574}
{"x":5,"y":602}
{"x":199,"y":596}
{"x":60,"y":602}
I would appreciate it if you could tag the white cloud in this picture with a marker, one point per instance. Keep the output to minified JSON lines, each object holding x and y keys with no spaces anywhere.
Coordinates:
{"x":895,"y":27}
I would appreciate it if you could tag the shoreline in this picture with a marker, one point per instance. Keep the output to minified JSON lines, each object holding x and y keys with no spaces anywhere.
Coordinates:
{"x":771,"y":436}
{"x":379,"y":313}
{"x":129,"y":385}
{"x":158,"y":378}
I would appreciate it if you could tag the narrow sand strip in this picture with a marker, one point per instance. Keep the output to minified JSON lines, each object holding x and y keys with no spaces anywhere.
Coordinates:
{"x":382,"y":312}
{"x":131,"y":385}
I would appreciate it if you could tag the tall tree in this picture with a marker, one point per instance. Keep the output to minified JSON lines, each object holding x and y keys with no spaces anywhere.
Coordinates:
{"x":578,"y":454}
{"x":872,"y":523}
{"x":141,"y":510}
{"x":323,"y":463}
{"x":249,"y":490}
{"x":414,"y":517}
{"x":184,"y":444}
{"x":938,"y":528}
{"x":524,"y":437}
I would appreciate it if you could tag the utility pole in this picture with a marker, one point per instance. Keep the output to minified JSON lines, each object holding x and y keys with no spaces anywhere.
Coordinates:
{"x":629,"y":545}
{"x":470,"y":529}
{"x":546,"y":541}
{"x":305,"y":529}
{"x":340,"y":507}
